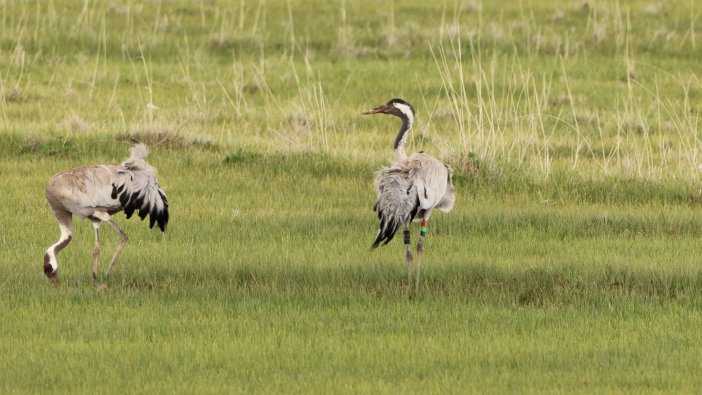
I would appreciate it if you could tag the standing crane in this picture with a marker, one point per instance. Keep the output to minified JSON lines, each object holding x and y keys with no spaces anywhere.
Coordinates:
{"x":409,"y":189}
{"x":95,"y":193}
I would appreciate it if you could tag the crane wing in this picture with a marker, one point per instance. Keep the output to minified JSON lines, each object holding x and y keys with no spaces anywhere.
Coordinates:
{"x":433,"y":182}
{"x":397,"y":202}
{"x":137,"y":189}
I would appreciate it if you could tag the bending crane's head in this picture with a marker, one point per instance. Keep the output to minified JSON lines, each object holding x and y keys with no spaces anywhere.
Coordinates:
{"x":396,"y":107}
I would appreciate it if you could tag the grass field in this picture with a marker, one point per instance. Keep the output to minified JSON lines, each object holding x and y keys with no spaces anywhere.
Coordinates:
{"x":570,"y":263}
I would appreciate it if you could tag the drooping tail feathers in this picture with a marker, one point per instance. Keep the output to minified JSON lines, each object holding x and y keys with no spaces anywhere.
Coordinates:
{"x":137,"y":189}
{"x":397,"y":203}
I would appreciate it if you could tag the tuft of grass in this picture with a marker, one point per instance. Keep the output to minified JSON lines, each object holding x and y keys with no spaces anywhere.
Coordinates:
{"x":165,"y":138}
{"x":241,"y":156}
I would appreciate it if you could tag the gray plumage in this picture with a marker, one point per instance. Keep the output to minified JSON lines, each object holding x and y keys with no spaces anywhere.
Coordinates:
{"x":96,"y":192}
{"x":409,"y":189}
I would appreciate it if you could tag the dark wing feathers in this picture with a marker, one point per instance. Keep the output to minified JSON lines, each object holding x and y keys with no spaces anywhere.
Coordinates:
{"x":397,"y":203}
{"x":137,"y":190}
{"x":162,"y":217}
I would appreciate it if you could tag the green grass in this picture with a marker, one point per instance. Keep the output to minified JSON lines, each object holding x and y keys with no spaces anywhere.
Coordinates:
{"x":281,"y":292}
{"x":569,"y":264}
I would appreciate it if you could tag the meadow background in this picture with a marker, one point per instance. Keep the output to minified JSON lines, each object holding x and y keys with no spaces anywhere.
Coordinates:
{"x":569,"y":264}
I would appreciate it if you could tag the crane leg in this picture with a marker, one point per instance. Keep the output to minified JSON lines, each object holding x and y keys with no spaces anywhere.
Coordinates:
{"x":420,"y":249}
{"x":122,"y":242}
{"x":96,"y":250}
{"x":66,"y":225}
{"x":408,"y":255}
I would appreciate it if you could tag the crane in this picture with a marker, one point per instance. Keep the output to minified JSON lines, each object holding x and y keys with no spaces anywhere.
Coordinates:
{"x":95,"y":193}
{"x":409,"y":189}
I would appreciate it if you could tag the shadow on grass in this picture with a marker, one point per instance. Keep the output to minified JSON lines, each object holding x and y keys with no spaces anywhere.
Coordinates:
{"x":479,"y":283}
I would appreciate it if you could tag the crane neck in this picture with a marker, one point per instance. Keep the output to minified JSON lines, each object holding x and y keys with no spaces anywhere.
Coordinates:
{"x":50,"y":264}
{"x":399,"y":152}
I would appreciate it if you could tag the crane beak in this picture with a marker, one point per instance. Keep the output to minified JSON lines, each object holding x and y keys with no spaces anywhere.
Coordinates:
{"x":383,"y":108}
{"x":53,"y":277}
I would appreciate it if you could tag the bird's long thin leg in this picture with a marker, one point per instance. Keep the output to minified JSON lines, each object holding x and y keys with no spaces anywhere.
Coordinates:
{"x":122,"y":242}
{"x":66,"y":225}
{"x":408,"y":255}
{"x":96,"y":250}
{"x":420,"y":249}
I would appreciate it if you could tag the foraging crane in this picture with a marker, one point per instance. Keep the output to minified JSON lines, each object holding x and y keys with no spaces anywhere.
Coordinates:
{"x":410,"y":189}
{"x":97,"y":192}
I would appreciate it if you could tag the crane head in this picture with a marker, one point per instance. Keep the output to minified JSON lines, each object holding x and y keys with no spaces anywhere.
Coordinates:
{"x":396,"y":107}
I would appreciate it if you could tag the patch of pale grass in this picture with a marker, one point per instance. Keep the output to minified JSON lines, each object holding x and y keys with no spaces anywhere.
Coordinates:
{"x":164,"y":136}
{"x":75,"y":124}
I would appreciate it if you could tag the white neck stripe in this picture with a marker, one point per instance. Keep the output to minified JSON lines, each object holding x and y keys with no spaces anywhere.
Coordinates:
{"x":406,"y":110}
